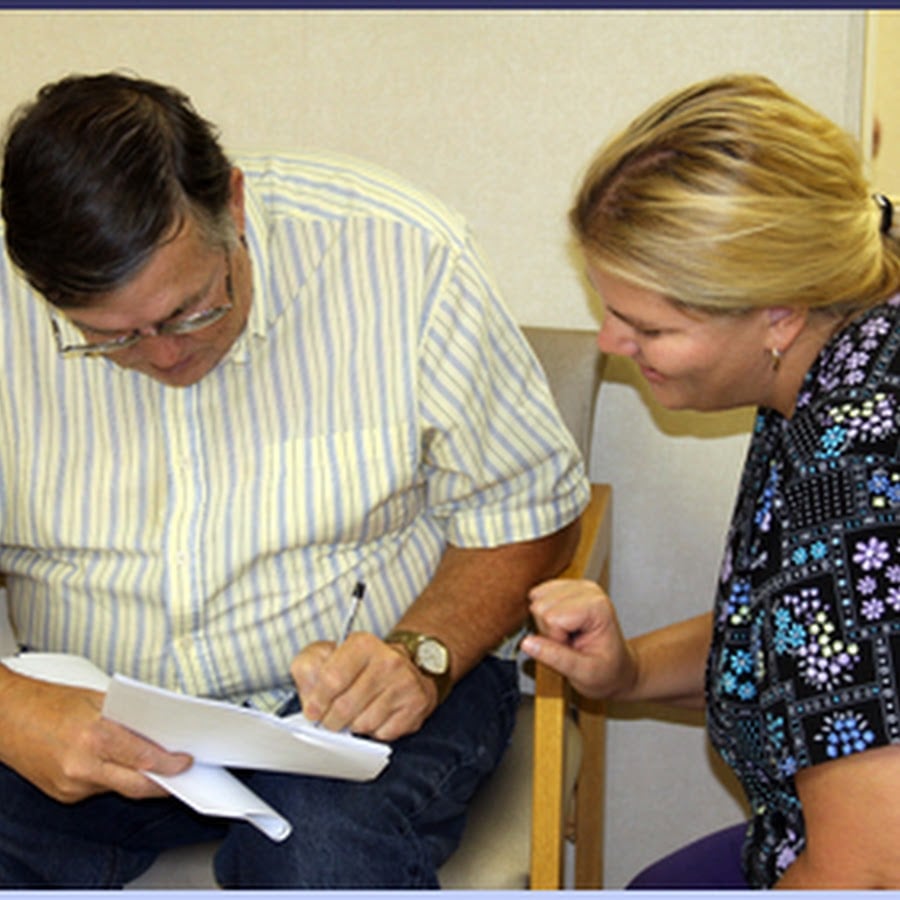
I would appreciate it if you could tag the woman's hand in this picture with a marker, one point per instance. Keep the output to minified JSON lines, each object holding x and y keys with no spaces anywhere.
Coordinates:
{"x":579,"y":636}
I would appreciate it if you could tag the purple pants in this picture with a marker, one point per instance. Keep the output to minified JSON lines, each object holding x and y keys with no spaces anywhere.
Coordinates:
{"x":712,"y":862}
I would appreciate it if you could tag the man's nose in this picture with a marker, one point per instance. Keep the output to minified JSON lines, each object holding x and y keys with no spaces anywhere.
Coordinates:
{"x":162,"y":350}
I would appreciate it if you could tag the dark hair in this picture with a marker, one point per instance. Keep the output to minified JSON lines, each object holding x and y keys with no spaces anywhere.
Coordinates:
{"x":98,"y":171}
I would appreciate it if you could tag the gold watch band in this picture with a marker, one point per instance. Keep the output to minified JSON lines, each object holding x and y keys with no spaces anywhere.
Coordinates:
{"x":413,"y":642}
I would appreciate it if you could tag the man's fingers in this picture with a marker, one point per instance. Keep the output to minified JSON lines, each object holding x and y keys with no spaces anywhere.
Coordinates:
{"x":363,"y":685}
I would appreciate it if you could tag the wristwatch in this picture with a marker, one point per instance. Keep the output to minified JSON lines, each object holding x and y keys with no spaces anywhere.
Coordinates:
{"x":429,"y":655}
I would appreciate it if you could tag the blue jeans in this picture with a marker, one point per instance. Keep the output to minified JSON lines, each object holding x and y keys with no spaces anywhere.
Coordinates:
{"x":393,"y":832}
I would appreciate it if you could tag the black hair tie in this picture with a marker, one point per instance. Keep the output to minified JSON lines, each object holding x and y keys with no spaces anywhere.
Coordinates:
{"x":887,"y":212}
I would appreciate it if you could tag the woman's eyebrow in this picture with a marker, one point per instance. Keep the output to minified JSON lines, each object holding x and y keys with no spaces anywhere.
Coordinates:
{"x":639,"y":324}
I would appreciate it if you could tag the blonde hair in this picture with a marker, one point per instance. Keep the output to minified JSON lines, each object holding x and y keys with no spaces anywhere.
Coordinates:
{"x":732,"y":194}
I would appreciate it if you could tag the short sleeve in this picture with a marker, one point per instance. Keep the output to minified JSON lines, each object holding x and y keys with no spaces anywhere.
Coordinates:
{"x":501,"y":465}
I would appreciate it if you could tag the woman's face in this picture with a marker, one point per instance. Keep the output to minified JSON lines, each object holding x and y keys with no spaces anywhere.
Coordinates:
{"x":690,"y":360}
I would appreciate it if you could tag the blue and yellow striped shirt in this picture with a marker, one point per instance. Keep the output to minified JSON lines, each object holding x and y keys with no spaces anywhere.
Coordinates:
{"x":379,"y":404}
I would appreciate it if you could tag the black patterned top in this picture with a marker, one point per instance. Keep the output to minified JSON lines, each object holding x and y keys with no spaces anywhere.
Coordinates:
{"x":806,"y":644}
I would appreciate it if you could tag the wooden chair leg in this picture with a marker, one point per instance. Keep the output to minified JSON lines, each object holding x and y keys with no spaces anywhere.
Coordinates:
{"x":591,"y":787}
{"x":547,"y":803}
{"x":552,"y":702}
{"x":589,"y":796}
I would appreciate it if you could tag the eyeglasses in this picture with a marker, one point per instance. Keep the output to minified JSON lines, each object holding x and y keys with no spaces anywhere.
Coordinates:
{"x":176,"y":326}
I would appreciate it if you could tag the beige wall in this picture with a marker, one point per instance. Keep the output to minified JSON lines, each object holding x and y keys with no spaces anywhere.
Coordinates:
{"x":499,"y":112}
{"x":883,"y":99}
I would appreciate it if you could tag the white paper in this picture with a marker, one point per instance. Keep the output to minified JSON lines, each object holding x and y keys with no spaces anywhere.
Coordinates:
{"x":228,"y":735}
{"x":216,"y":734}
{"x":60,"y":668}
{"x":214,"y":791}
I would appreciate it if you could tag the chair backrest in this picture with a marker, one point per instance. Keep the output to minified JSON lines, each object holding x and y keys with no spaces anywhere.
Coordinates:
{"x":573,"y":365}
{"x":515,"y":835}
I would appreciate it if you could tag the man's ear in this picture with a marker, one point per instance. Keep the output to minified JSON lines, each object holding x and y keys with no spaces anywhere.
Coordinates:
{"x":236,"y":198}
{"x":784,"y":326}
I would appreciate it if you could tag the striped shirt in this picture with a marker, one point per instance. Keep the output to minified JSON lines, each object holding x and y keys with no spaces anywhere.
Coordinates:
{"x":379,"y":404}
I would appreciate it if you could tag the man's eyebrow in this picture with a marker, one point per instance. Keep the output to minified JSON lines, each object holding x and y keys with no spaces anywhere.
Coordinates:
{"x":187,"y":303}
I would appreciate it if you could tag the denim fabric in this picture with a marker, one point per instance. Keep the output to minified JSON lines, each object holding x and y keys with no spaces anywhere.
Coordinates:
{"x":393,"y":832}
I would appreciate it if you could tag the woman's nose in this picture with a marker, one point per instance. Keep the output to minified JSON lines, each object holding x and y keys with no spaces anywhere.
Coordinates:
{"x":616,"y":339}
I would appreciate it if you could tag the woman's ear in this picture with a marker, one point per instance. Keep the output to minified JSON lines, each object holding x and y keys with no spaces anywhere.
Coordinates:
{"x":784,"y":326}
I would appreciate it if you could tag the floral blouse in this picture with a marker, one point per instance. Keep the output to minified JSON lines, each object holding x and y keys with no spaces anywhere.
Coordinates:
{"x":806,"y":645}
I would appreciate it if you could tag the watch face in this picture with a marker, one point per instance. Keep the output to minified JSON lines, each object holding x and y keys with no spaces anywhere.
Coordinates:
{"x":432,"y":656}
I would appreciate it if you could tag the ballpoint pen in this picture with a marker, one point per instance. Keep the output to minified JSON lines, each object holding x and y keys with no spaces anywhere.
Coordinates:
{"x":358,"y":592}
{"x":347,"y":625}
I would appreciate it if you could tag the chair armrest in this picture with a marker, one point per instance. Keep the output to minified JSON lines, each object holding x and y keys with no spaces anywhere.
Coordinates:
{"x":591,"y":557}
{"x":591,"y":560}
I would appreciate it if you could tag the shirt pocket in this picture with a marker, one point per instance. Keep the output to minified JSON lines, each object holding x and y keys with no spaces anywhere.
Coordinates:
{"x":345,"y":486}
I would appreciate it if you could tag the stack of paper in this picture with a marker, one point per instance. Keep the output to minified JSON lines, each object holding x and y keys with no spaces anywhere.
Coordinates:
{"x":216,"y":734}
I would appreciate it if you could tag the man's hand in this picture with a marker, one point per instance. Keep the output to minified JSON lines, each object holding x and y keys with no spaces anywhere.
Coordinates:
{"x":365,"y":685}
{"x":474,"y":600}
{"x":55,"y":737}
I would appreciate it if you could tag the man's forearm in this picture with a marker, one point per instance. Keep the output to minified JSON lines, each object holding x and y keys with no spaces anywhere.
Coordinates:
{"x":479,"y":596}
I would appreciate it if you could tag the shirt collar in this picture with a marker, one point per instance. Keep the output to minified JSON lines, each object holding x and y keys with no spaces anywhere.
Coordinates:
{"x":260,"y":314}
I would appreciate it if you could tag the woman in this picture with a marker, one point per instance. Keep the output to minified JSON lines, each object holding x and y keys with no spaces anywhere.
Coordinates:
{"x":742,"y":259}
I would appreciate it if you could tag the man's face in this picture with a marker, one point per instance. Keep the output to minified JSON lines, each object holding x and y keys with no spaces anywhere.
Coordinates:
{"x":183,"y":277}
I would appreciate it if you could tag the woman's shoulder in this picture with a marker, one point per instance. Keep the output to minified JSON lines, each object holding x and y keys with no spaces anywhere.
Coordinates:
{"x":850,"y":399}
{"x":860,"y":357}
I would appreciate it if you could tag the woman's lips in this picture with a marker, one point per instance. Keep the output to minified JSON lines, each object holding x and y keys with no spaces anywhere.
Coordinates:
{"x":652,"y":375}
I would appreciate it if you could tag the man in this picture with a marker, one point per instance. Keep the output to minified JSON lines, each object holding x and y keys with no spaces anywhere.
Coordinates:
{"x":231,"y":392}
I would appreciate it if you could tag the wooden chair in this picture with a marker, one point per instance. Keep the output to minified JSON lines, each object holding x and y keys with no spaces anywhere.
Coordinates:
{"x":549,"y":786}
{"x":574,"y":368}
